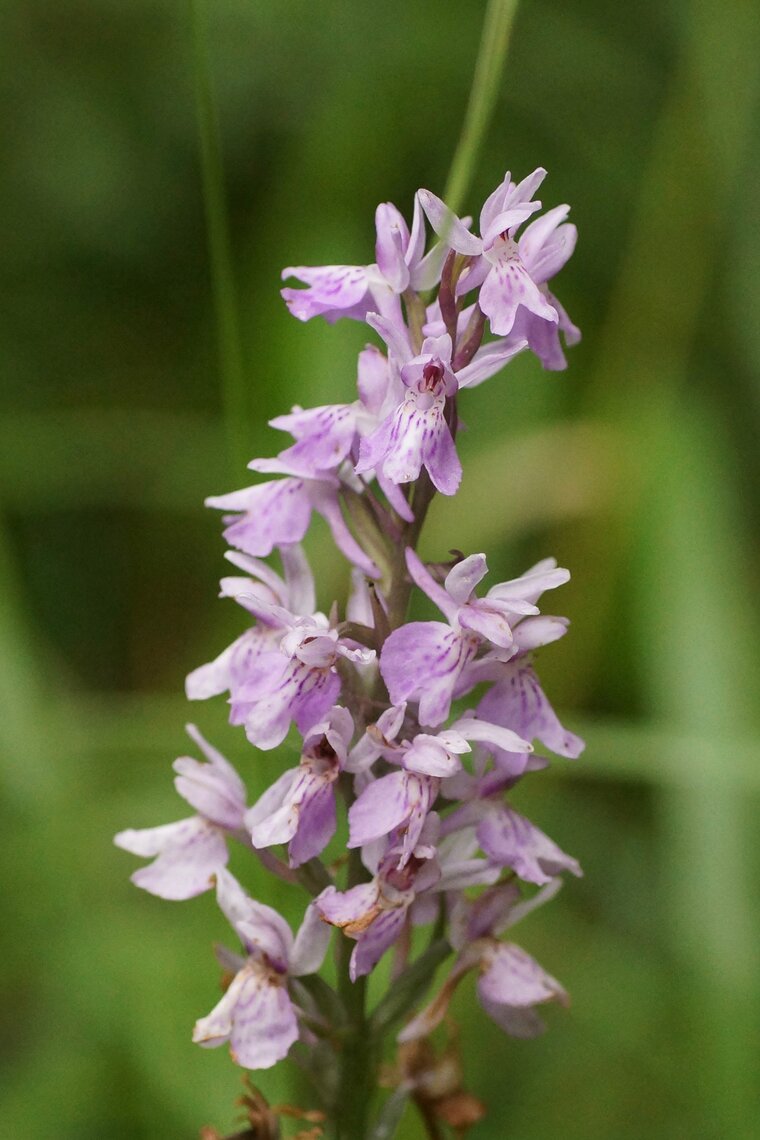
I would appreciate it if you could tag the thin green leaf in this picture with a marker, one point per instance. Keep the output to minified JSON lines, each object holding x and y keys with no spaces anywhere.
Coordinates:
{"x":409,"y":988}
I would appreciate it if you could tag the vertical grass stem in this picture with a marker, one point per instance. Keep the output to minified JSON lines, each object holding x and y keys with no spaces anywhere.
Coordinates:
{"x":232,"y":373}
{"x":494,"y":41}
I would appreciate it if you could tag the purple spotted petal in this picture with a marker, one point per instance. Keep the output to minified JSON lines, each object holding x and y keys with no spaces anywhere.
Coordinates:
{"x":298,"y":694}
{"x":399,"y":800}
{"x":511,"y":840}
{"x":316,"y":823}
{"x":375,"y":940}
{"x":415,"y":435}
{"x":518,"y":702}
{"x":324,"y":437}
{"x":214,"y":789}
{"x":256,"y":1016}
{"x":189,"y":853}
{"x":273,"y":514}
{"x":261,"y":929}
{"x":507,"y":286}
{"x":334,"y":291}
{"x":382,"y":806}
{"x":511,"y":984}
{"x":423,"y":661}
{"x":230,"y":668}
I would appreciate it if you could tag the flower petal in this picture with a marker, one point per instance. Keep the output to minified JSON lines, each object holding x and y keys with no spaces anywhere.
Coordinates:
{"x":375,"y":940}
{"x":511,"y":840}
{"x":214,"y":789}
{"x":274,"y":817}
{"x":264,"y":1023}
{"x":275,"y":514}
{"x":191,"y":853}
{"x":511,"y":984}
{"x":421,"y":576}
{"x":490,"y":359}
{"x":422,"y":661}
{"x":448,"y":226}
{"x":391,"y":246}
{"x":382,"y":807}
{"x":310,"y":944}
{"x":316,"y":823}
{"x":353,"y":908}
{"x":232,"y":665}
{"x":462,"y":579}
{"x":334,"y":291}
{"x":259,"y":927}
{"x":507,"y":286}
{"x":519,"y":702}
{"x":395,"y":336}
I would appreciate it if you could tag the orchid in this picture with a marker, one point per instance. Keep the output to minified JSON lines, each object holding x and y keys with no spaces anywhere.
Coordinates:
{"x":511,"y":275}
{"x":189,"y":853}
{"x":416,"y":433}
{"x":299,"y":808}
{"x":392,"y":811}
{"x":256,"y":1014}
{"x":375,"y":913}
{"x":427,"y":661}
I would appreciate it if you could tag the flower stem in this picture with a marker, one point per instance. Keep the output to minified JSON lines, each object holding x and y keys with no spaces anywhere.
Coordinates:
{"x":356,"y":1081}
{"x":231,"y":370}
{"x":494,"y":41}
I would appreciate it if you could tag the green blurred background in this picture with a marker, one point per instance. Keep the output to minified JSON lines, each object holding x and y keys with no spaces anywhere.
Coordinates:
{"x":638,"y":469}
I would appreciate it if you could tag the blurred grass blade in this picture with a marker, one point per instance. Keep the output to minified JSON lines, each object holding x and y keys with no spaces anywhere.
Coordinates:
{"x":494,"y":42}
{"x":24,"y":723}
{"x":231,"y":368}
{"x":390,"y":1116}
{"x":701,"y":673}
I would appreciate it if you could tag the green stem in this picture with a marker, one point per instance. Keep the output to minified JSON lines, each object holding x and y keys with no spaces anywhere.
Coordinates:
{"x":356,"y":1081}
{"x":231,"y":370}
{"x":494,"y":41}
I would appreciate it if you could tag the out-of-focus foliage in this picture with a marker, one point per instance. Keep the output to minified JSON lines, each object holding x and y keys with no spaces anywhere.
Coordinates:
{"x":638,"y":469}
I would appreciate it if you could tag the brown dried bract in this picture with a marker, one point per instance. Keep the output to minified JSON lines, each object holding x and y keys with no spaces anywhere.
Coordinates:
{"x":435,"y":1083}
{"x":263,"y":1119}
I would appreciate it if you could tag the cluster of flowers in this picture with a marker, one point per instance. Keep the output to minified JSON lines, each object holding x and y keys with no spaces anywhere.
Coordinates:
{"x":371,"y":694}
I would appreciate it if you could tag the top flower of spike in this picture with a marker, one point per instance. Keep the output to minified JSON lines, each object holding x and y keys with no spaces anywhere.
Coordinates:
{"x":512,"y":274}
